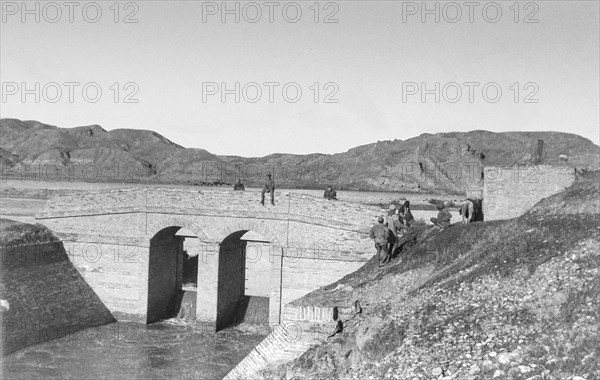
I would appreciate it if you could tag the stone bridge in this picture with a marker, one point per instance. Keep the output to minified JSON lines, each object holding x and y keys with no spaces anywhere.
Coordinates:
{"x":133,"y":247}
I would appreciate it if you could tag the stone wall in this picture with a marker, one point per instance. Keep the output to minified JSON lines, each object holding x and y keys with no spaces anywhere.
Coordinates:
{"x":509,"y":192}
{"x":48,"y":297}
{"x":301,"y":328}
{"x":258,"y":268}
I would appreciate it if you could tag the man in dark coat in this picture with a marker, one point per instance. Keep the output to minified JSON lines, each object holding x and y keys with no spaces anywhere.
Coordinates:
{"x":406,"y":215}
{"x":330,"y":193}
{"x":380,"y":233}
{"x":239,"y":185}
{"x":269,"y":188}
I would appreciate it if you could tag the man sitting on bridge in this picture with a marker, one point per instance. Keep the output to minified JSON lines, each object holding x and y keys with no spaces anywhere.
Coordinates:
{"x":239,"y":185}
{"x":443,"y":218}
{"x":330,"y":193}
{"x":380,"y":233}
{"x":269,"y":188}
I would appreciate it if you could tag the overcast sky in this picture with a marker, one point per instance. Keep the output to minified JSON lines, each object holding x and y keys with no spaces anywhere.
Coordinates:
{"x":365,"y":69}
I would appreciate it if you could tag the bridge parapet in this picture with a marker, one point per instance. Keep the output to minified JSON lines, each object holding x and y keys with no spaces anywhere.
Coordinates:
{"x":88,"y":200}
{"x":224,"y":203}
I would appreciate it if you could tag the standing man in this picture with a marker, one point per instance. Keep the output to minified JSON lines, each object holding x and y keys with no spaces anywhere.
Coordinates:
{"x":400,"y":228}
{"x":392,"y":225}
{"x":379,"y":233}
{"x":406,"y":214}
{"x":443,"y":217}
{"x":269,"y":188}
{"x":466,"y":210}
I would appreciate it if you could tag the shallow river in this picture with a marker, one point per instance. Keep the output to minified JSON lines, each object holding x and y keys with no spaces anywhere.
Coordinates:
{"x":133,"y":351}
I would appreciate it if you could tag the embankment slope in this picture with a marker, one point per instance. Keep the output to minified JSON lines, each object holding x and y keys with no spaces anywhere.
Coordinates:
{"x":48,"y":298}
{"x":513,"y":299}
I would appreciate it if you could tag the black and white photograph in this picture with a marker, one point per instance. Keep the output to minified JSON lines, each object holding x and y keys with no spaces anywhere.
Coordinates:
{"x":300,"y":190}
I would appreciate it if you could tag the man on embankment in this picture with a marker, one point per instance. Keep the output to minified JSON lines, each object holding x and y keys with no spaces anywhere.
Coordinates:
{"x":406,"y":214}
{"x":395,"y":229}
{"x":443,"y":218}
{"x":380,"y":233}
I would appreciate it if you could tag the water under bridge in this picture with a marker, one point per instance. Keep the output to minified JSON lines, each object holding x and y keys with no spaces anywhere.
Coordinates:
{"x":134,"y":246}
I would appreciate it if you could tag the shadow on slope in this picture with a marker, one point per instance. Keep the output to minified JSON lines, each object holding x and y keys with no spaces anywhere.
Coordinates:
{"x":47,"y":296}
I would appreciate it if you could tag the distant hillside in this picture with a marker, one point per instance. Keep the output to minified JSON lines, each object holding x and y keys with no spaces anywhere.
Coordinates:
{"x":444,"y":162}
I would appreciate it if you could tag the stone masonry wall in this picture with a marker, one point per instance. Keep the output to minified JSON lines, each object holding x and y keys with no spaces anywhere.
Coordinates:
{"x":302,"y":327}
{"x":258,"y":268}
{"x":48,"y":297}
{"x":300,"y":207}
{"x":118,"y":273}
{"x":509,"y":192}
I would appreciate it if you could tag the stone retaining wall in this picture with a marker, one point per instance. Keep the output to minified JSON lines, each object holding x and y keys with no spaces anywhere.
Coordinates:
{"x":301,"y":328}
{"x":509,"y":192}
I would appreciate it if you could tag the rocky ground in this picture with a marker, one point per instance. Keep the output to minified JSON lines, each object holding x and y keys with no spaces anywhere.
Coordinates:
{"x":515,"y":299}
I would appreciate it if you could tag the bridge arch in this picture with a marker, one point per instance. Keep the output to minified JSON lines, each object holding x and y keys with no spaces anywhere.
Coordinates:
{"x":244,"y":278}
{"x":235,"y":225}
{"x":165,"y":259}
{"x":159,"y":224}
{"x":166,"y":297}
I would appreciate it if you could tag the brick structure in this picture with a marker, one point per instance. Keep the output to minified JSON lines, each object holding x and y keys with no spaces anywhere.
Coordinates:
{"x":509,"y":192}
{"x":301,"y":328}
{"x":123,"y":243}
{"x":48,"y":297}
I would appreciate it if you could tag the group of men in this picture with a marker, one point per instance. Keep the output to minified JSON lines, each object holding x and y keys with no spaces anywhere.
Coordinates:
{"x":387,"y":232}
{"x":269,"y":187}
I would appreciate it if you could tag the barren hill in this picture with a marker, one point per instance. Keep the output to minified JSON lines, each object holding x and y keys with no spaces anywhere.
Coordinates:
{"x":447,"y":162}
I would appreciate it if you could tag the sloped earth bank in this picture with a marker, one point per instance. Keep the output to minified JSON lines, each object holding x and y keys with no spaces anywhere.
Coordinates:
{"x":515,"y":299}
